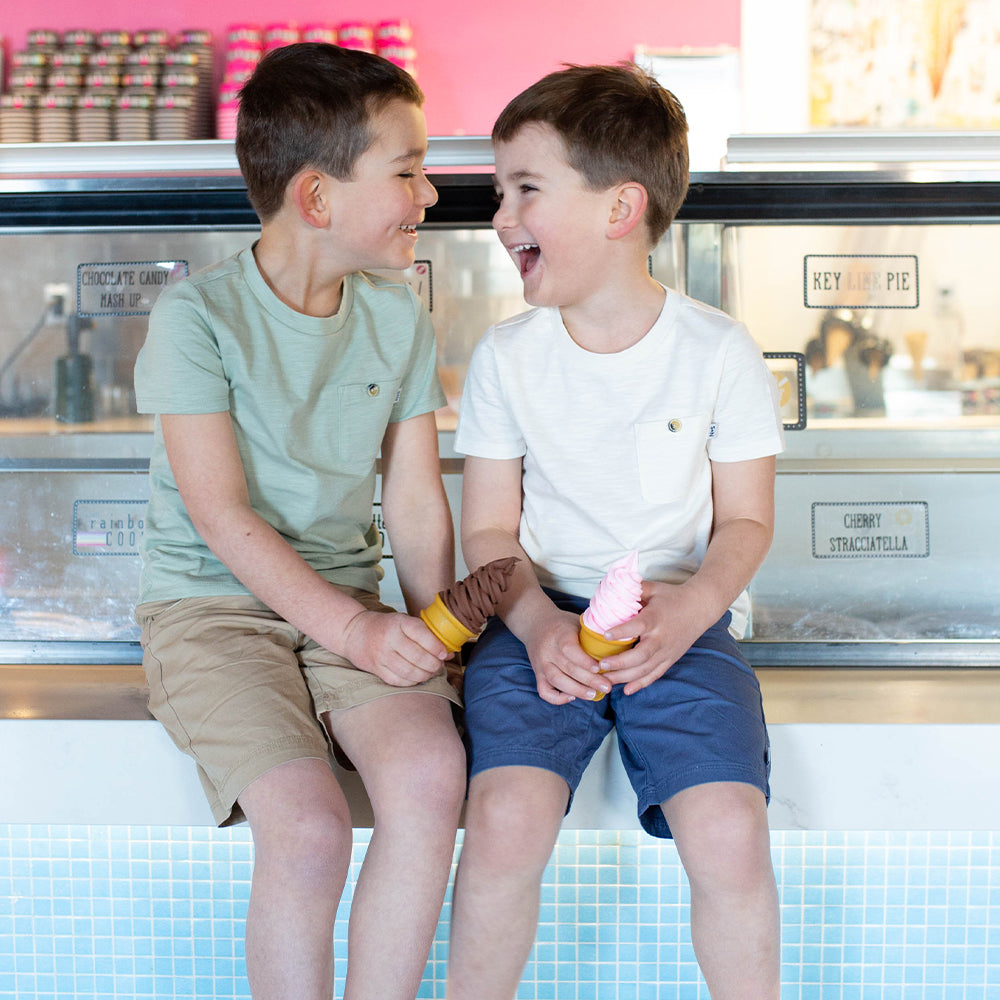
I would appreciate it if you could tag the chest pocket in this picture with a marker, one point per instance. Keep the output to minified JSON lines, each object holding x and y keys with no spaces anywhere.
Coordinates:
{"x":365,"y":409}
{"x":669,"y":453}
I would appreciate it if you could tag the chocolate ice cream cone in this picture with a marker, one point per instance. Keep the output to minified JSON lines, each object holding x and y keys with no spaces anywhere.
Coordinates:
{"x":596,"y":646}
{"x":445,"y":625}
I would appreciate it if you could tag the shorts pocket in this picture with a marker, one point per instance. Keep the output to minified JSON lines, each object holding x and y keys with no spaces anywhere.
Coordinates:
{"x":668,"y":452}
{"x":149,"y":615}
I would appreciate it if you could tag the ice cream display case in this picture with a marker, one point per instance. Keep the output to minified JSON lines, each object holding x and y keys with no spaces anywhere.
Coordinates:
{"x":869,"y":290}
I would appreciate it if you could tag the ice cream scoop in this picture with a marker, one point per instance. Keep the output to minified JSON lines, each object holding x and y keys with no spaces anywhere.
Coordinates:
{"x":458,"y":613}
{"x":617,"y":600}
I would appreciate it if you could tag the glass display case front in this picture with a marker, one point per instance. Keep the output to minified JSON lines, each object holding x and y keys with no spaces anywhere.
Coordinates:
{"x":870,"y":291}
{"x":886,"y":504}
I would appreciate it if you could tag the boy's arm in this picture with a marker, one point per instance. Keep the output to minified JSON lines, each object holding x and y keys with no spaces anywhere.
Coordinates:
{"x":207,"y":468}
{"x":415,"y":510}
{"x":675,"y":615}
{"x":491,"y":516}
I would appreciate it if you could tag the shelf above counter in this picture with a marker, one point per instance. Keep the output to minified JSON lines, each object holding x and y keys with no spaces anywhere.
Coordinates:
{"x":205,"y":157}
{"x":160,"y":177}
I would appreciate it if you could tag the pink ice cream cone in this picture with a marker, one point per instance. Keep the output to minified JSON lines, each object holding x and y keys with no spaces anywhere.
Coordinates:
{"x":618,"y":599}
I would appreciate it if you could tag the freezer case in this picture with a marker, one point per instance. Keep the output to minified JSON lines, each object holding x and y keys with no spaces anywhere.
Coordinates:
{"x":868,"y":291}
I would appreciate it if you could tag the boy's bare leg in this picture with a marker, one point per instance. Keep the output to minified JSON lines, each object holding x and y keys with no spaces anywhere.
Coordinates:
{"x":302,"y":849}
{"x":511,"y":824}
{"x":411,"y":759}
{"x":721,"y":834}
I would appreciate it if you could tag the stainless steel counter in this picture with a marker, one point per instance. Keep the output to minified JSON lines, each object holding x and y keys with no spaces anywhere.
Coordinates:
{"x":112,"y":692}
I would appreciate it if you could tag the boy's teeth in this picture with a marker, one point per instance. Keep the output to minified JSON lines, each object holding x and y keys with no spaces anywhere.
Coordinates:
{"x":521,"y":247}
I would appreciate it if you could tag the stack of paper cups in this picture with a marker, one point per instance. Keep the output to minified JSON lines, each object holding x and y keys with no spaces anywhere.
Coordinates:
{"x":151,"y":38}
{"x":182,"y":77}
{"x":172,"y":116}
{"x":54,"y":121}
{"x":134,"y":117}
{"x":114,"y":40}
{"x":94,"y":116}
{"x":278,"y":35}
{"x":356,"y":35}
{"x":227,"y":109}
{"x":17,"y":117}
{"x":197,"y":42}
{"x":81,"y":38}
{"x":394,"y":41}
{"x":319,"y":33}
{"x":32,"y":59}
{"x":43,"y":38}
{"x":244,"y":47}
{"x":28,"y":80}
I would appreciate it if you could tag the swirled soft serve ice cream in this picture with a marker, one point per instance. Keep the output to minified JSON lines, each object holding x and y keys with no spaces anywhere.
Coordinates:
{"x":617,"y":600}
{"x":459,"y":612}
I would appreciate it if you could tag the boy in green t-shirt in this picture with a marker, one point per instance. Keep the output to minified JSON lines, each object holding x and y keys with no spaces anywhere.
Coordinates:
{"x":277,"y":377}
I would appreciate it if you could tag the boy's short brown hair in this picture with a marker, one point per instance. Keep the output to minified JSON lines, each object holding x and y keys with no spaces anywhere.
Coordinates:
{"x":310,"y":105}
{"x":618,"y":124}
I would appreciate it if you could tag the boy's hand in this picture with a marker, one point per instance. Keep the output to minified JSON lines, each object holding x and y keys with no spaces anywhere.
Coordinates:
{"x":563,"y":671}
{"x":673,"y":617}
{"x":399,"y":649}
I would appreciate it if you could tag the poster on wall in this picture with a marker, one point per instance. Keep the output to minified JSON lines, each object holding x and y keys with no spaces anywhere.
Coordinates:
{"x":910,"y":64}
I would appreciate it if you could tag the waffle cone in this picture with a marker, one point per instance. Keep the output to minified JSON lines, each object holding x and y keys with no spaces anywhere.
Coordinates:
{"x":452,"y":633}
{"x":597,"y":647}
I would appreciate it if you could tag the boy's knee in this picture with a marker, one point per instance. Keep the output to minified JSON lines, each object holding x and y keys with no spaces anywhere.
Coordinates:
{"x":728,"y":840}
{"x":313,"y":832}
{"x":430,"y":781}
{"x":316,"y":853}
{"x":511,"y":823}
{"x":439,"y":782}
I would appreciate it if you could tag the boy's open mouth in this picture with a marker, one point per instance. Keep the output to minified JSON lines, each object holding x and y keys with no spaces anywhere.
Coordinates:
{"x":526,"y":255}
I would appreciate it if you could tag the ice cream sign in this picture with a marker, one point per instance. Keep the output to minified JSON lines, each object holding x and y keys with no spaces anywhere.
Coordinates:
{"x":861,"y":281}
{"x":126,"y":288}
{"x":108,"y":527}
{"x":870,"y":529}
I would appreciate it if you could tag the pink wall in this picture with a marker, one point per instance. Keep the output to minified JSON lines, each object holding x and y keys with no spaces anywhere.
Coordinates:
{"x":472,"y":56}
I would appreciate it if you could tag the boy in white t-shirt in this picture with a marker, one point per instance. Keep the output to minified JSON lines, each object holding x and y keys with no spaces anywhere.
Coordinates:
{"x":617,"y":415}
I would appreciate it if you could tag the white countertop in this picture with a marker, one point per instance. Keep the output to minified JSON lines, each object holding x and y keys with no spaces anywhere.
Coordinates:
{"x":851,"y":750}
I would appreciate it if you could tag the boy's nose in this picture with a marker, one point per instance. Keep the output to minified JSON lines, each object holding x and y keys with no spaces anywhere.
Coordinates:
{"x":429,"y":195}
{"x":501,"y":218}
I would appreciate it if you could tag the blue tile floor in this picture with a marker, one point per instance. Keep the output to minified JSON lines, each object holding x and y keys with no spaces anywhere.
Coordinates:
{"x":109,"y":913}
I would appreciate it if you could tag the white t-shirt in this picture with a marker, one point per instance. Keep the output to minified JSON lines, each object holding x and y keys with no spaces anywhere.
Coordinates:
{"x":617,"y":448}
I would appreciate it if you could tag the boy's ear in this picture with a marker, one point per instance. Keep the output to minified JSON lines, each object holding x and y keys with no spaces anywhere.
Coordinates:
{"x":628,"y":209}
{"x":308,"y":194}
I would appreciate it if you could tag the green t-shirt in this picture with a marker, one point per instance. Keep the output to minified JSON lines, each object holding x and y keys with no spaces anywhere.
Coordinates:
{"x":310,"y":399}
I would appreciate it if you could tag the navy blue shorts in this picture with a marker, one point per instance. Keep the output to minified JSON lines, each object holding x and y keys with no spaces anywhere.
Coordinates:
{"x":702,"y":721}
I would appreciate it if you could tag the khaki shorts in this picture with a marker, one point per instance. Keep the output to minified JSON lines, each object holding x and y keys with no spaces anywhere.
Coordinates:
{"x":242,"y":691}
